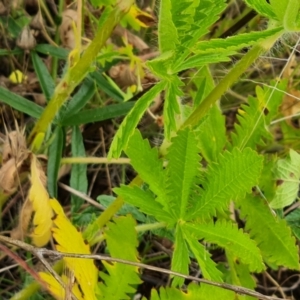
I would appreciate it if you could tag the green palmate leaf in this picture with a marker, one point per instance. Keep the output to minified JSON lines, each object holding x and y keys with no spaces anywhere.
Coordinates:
{"x":181,"y":171}
{"x":207,"y":265}
{"x":228,"y":236}
{"x":262,"y":7}
{"x":240,"y":275}
{"x":180,"y":258}
{"x":171,"y":107}
{"x":19,"y":103}
{"x":78,"y":179}
{"x":272,"y":234}
{"x":211,"y":135}
{"x":234,"y":42}
{"x":145,"y":201}
{"x":145,"y":161}
{"x":235,"y":174}
{"x":54,"y":157}
{"x":52,"y":50}
{"x":98,"y":114}
{"x":167,"y":32}
{"x":78,"y":101}
{"x":281,"y":8}
{"x":46,"y":82}
{"x":121,"y":279}
{"x":287,"y":180}
{"x":130,"y":122}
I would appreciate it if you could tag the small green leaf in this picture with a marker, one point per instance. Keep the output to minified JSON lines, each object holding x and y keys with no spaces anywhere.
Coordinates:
{"x":19,"y":103}
{"x":202,"y":59}
{"x":228,"y":236}
{"x":145,"y":161}
{"x":235,"y":42}
{"x":231,"y":178}
{"x":78,"y":180}
{"x":207,"y":265}
{"x":45,"y":79}
{"x":171,"y":107}
{"x":121,"y":279}
{"x":145,"y":201}
{"x":167,"y":32}
{"x":263,"y":8}
{"x":181,"y":171}
{"x":52,"y":51}
{"x":130,"y":122}
{"x":287,"y":180}
{"x":54,"y":157}
{"x":180,"y":258}
{"x":271,"y":233}
{"x":98,"y":114}
{"x":211,"y":135}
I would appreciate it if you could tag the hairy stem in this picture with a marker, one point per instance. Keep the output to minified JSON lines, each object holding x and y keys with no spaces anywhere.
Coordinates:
{"x":229,"y":80}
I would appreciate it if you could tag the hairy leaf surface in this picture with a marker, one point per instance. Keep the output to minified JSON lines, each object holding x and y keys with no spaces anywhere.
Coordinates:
{"x":235,"y":174}
{"x":272,"y":234}
{"x":228,"y":236}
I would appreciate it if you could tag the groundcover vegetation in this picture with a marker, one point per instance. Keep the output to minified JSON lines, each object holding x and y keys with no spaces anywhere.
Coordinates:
{"x":149,"y":149}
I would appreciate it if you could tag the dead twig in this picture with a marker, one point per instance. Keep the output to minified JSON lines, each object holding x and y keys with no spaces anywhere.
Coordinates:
{"x":41,"y":252}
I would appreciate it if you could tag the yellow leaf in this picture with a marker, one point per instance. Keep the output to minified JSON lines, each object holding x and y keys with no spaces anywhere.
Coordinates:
{"x":39,"y":198}
{"x":56,"y":289}
{"x":137,"y":18}
{"x":70,"y":240}
{"x":17,"y":77}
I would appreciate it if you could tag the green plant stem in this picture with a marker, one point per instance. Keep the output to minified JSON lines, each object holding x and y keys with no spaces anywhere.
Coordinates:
{"x":228,"y":81}
{"x":91,"y":234}
{"x":76,"y":72}
{"x":94,"y":160}
{"x":152,"y":226}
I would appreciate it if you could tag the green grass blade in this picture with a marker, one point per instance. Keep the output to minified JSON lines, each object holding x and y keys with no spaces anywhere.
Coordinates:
{"x":54,"y":156}
{"x":57,"y":52}
{"x":78,"y":101}
{"x":98,"y":114}
{"x":19,"y":103}
{"x":46,"y":82}
{"x":106,"y":87}
{"x":78,"y":180}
